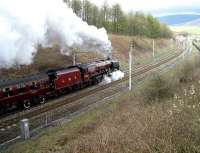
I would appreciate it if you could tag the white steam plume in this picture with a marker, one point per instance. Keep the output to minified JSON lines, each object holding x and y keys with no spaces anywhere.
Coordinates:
{"x":25,"y":23}
{"x":114,"y":76}
{"x":117,"y":75}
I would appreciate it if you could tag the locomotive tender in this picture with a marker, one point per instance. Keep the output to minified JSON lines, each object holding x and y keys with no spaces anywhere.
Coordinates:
{"x":30,"y":90}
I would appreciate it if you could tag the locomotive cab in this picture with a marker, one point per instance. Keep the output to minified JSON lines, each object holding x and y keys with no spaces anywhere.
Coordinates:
{"x":115,"y":66}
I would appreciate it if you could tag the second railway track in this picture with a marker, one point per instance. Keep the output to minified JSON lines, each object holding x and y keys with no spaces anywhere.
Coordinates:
{"x":70,"y":100}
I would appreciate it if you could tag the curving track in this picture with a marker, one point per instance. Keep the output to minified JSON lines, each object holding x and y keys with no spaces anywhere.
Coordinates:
{"x":67,"y":105}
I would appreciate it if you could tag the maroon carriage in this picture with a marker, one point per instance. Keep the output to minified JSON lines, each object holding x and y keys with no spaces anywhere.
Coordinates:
{"x":67,"y":79}
{"x":23,"y":91}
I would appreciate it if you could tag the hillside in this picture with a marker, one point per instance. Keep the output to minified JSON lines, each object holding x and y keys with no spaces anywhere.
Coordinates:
{"x":186,"y":29}
{"x":161,"y":116}
{"x":193,"y":23}
{"x":142,"y":48}
{"x":51,"y":58}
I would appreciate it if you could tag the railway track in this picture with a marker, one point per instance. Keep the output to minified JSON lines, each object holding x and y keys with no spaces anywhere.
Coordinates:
{"x":195,"y":44}
{"x":69,"y":101}
{"x":11,"y":112}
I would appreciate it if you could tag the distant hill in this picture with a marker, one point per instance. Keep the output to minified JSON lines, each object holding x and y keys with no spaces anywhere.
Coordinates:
{"x":180,"y":19}
{"x":193,"y":23}
{"x":188,"y":29}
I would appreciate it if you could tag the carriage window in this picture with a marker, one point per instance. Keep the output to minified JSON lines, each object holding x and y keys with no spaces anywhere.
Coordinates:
{"x":33,"y":86}
{"x":7,"y":92}
{"x":10,"y":92}
{"x":21,"y":88}
{"x":38,"y":85}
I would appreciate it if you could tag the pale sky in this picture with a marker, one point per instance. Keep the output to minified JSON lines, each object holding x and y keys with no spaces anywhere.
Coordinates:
{"x":161,"y":6}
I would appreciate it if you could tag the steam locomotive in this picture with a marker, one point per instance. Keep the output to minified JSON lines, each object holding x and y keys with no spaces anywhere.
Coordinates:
{"x":30,"y":90}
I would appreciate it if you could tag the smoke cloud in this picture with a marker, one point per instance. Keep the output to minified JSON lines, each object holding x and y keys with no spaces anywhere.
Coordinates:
{"x":25,"y":23}
{"x":117,"y":75}
{"x":114,"y":76}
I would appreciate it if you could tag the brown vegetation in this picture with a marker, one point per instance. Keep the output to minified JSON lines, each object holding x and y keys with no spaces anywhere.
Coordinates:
{"x":158,"y":89}
{"x":172,"y":125}
{"x":169,"y":124}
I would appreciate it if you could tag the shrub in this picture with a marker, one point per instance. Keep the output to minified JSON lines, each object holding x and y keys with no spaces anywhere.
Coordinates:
{"x":158,"y":88}
{"x":185,"y":72}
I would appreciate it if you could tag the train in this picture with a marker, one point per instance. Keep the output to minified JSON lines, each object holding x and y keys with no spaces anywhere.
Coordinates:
{"x":27,"y":91}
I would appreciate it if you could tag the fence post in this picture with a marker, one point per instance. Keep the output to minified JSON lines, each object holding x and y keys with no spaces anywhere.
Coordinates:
{"x":24,"y":126}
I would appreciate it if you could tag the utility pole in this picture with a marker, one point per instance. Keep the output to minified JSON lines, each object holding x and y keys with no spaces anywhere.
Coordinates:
{"x":153,"y":48}
{"x":130,"y":66}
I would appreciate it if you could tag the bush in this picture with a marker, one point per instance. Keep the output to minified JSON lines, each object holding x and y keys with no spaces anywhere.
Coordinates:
{"x":189,"y":71}
{"x":185,"y":72}
{"x":158,"y":88}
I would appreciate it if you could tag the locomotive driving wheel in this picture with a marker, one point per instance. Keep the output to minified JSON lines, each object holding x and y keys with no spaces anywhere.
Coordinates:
{"x":27,"y":104}
{"x":42,"y":100}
